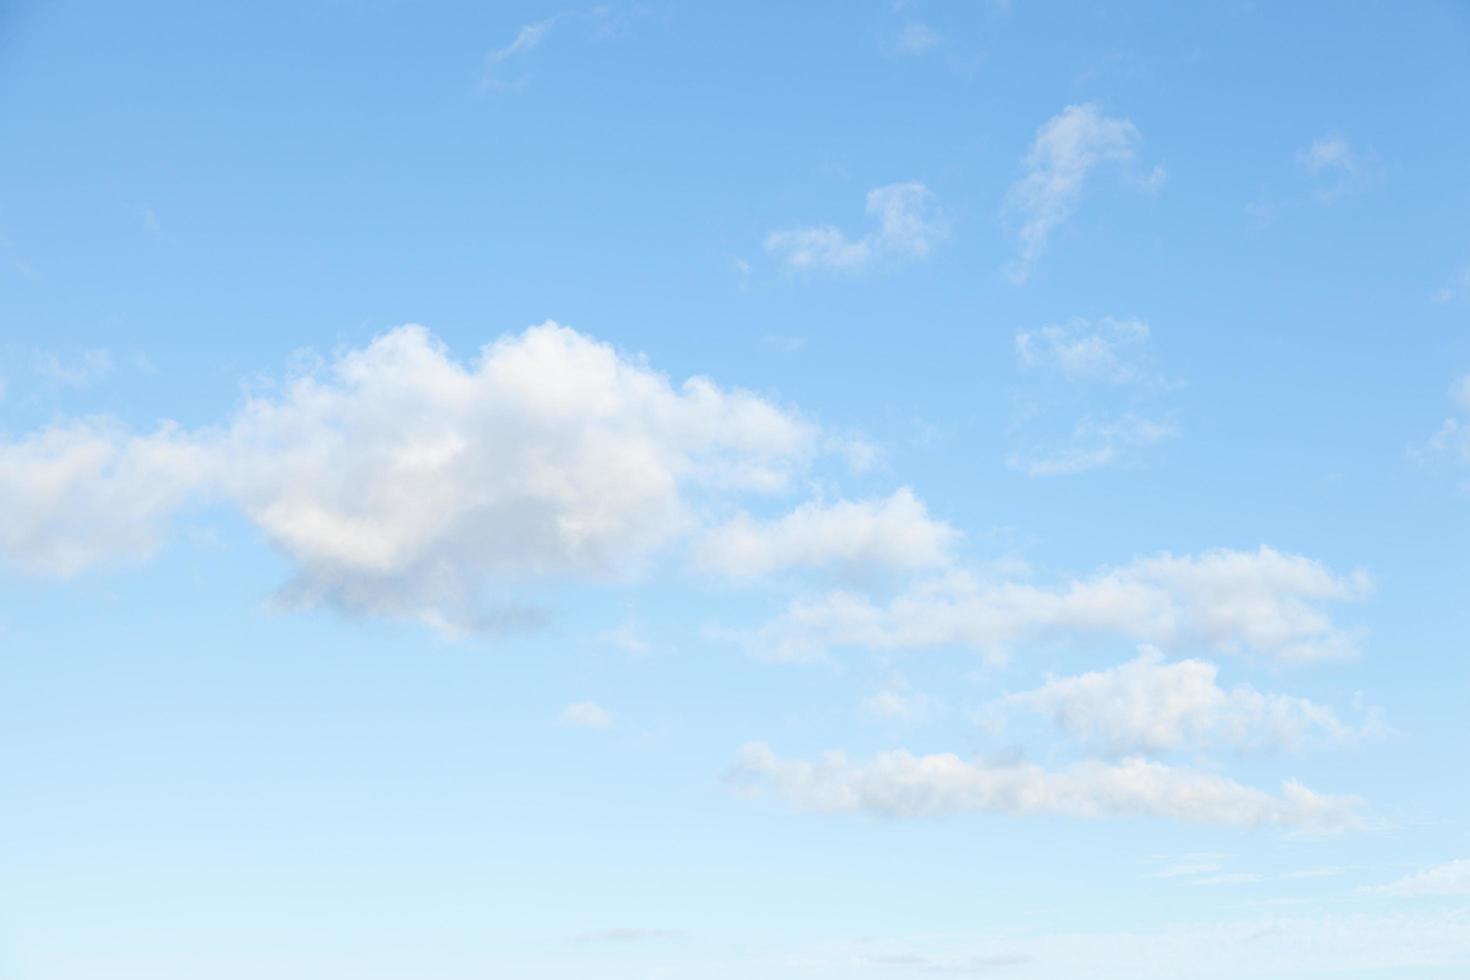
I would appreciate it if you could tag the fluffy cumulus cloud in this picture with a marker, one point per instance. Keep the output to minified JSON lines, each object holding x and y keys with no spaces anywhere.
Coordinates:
{"x":1067,"y":148}
{"x":1452,"y":878}
{"x":900,"y":784}
{"x":403,"y":482}
{"x":1107,"y":349}
{"x":909,"y":225}
{"x":1261,"y":603}
{"x":88,"y":491}
{"x":893,"y":532}
{"x":1147,"y":705}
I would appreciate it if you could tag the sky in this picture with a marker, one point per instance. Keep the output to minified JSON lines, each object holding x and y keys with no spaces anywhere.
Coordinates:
{"x":799,"y":491}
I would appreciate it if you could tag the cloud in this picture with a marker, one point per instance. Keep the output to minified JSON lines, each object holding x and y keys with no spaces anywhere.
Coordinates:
{"x":1067,"y":148}
{"x":909,"y":226}
{"x":895,"y":702}
{"x":1453,"y":436}
{"x":88,"y":491}
{"x":1082,"y":350}
{"x":1087,"y":353}
{"x":599,"y":21}
{"x":1094,"y":444}
{"x":1459,"y":285}
{"x":1328,"y":153}
{"x":1261,"y":603}
{"x":1276,"y":944}
{"x":624,"y":935}
{"x":82,"y":371}
{"x":1452,"y":878}
{"x":1338,"y":169}
{"x":584,"y":714}
{"x":917,"y":37}
{"x":402,"y":482}
{"x":1147,"y":706}
{"x":1193,"y":865}
{"x":894,"y":532}
{"x":899,"y":784}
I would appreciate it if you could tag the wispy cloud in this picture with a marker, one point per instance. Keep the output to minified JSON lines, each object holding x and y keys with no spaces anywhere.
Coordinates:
{"x":499,"y":73}
{"x":1452,"y":878}
{"x":1095,"y":443}
{"x":81,"y":370}
{"x":909,"y":222}
{"x":1337,"y":168}
{"x":1097,"y":360}
{"x":903,"y":785}
{"x":1067,"y":149}
{"x":585,"y":714}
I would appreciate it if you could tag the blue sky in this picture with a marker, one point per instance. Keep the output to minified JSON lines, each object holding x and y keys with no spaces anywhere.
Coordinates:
{"x":794,"y":491}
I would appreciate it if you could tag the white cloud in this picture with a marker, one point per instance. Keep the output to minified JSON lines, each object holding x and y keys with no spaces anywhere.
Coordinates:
{"x":88,"y":491}
{"x":900,"y":784}
{"x":893,"y":532}
{"x":598,"y":21}
{"x":1197,"y":864}
{"x":1452,"y":878}
{"x":1094,"y":444}
{"x":895,"y":702}
{"x":1328,"y":153}
{"x":1453,"y":436}
{"x":1147,"y":705}
{"x":1273,"y":945}
{"x":527,"y":38}
{"x":402,"y":482}
{"x":1337,"y":168}
{"x":917,"y":37}
{"x":1262,"y":603}
{"x":909,"y":226}
{"x":584,"y":714}
{"x":1067,"y":148}
{"x":80,"y":371}
{"x":1459,"y":285}
{"x":1081,"y":350}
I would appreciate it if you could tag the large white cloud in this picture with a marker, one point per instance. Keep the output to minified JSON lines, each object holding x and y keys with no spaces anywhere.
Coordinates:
{"x":403,"y":482}
{"x":1262,"y":603}
{"x":901,"y":784}
{"x":892,"y":532}
{"x":1067,"y":148}
{"x":1148,"y":705}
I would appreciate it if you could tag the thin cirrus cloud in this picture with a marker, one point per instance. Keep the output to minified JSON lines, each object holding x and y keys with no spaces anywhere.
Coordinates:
{"x":401,"y":482}
{"x":1108,"y":349}
{"x":1147,"y":705}
{"x":1067,"y":149}
{"x":1451,"y":878}
{"x":585,"y":714}
{"x":1335,"y":167}
{"x":1452,"y":439}
{"x":1263,"y":604}
{"x":1107,"y":363}
{"x":499,"y":70}
{"x":1094,"y":443}
{"x":899,"y":784}
{"x":895,"y":532}
{"x":909,"y":226}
